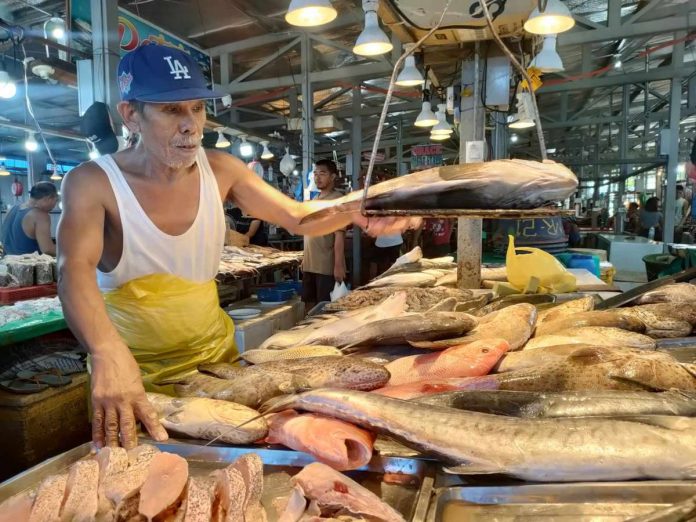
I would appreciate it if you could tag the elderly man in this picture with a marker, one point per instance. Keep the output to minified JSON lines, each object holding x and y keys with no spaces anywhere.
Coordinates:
{"x":140,"y":241}
{"x":27,"y":227}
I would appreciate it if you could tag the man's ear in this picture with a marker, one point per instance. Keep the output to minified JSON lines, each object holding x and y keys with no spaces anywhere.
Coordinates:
{"x":130,"y":116}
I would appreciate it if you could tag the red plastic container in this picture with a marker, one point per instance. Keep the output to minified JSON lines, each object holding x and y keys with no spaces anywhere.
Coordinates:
{"x":12,"y":295}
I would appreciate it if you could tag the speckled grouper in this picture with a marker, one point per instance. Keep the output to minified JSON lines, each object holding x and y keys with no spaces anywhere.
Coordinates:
{"x":316,"y":372}
{"x":568,"y":449}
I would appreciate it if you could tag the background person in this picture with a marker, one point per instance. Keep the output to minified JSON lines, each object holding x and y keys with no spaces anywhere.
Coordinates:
{"x":27,"y":227}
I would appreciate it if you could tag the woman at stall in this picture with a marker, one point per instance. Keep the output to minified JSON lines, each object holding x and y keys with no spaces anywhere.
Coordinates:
{"x":651,"y":218}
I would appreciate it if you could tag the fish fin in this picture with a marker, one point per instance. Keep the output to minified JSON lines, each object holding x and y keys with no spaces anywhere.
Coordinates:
{"x":591,"y":355}
{"x":691,"y":368}
{"x":629,"y":380}
{"x":277,"y":404}
{"x":475,"y":468}
{"x":174,"y":417}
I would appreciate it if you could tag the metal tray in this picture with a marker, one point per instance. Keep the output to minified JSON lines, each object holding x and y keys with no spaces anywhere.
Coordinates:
{"x":578,"y":502}
{"x":409,"y":496}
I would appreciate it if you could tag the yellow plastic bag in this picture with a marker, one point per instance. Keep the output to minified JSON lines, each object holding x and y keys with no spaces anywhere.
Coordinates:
{"x":551,"y":274}
{"x":171,"y":325}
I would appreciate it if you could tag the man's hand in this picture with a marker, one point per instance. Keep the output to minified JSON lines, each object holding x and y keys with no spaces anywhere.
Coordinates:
{"x":118,"y":400}
{"x":382,"y":226}
{"x":340,"y":272}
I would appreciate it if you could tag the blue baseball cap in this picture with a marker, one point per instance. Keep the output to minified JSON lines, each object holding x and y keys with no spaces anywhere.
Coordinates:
{"x":159,"y":74}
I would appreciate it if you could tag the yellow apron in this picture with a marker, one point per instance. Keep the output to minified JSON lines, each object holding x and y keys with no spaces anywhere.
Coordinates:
{"x":171,"y":325}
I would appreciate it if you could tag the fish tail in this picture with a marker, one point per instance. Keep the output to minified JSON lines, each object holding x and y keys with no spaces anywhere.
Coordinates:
{"x":277,"y":404}
{"x":329,"y":211}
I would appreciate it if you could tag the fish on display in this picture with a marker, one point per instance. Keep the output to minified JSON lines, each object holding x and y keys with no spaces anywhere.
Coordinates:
{"x":424,"y":278}
{"x":498,"y":273}
{"x":324,"y":332}
{"x":209,"y":419}
{"x":417,"y":299}
{"x":440,"y":263}
{"x":514,"y":323}
{"x":558,"y":353}
{"x":593,"y":335}
{"x":499,"y":184}
{"x":468,"y":360}
{"x":567,"y":404}
{"x":503,"y":302}
{"x":258,"y":356}
{"x":674,"y":293}
{"x":334,"y":491}
{"x":334,"y":442}
{"x":603,"y":318}
{"x":569,"y":308}
{"x":315,"y":372}
{"x":664,"y":320}
{"x":684,"y":511}
{"x":591,"y":368}
{"x":563,"y":449}
{"x":251,"y":389}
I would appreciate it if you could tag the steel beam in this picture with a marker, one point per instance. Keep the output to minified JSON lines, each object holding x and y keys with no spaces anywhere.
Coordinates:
{"x":266,"y":61}
{"x":681,"y":22}
{"x":351,"y":72}
{"x":252,"y":43}
{"x":661,"y":73}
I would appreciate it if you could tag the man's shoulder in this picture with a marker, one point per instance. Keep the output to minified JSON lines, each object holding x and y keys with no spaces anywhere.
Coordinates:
{"x":334,"y":194}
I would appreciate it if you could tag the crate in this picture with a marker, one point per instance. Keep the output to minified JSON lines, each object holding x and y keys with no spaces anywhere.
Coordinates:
{"x":41,"y":425}
{"x":12,"y":295}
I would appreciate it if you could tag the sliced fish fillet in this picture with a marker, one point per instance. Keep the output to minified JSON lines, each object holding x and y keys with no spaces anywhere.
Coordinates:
{"x":17,"y":508}
{"x":200,"y":494}
{"x":49,"y":499}
{"x":163,"y":486}
{"x":81,"y":500}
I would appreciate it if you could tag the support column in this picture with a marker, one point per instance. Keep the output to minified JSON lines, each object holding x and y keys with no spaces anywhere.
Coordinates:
{"x":623,"y":143}
{"x":400,"y":170}
{"x":471,"y":129}
{"x":356,"y":149}
{"x":307,"y":105}
{"x":669,"y":197}
{"x":105,"y":54}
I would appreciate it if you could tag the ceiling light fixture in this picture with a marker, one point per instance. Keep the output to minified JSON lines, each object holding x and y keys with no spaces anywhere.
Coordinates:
{"x":8,"y":88}
{"x":310,"y":13}
{"x":246,"y":149}
{"x":617,"y":63}
{"x":442,"y":126}
{"x":222,"y":141}
{"x":549,"y":17}
{"x":54,"y":28}
{"x":513,"y":138}
{"x":548,"y":60}
{"x":523,"y":118}
{"x":266,"y":154}
{"x":372,"y":41}
{"x":427,"y":117}
{"x":30,"y":143}
{"x":410,"y":76}
{"x":93,"y":152}
{"x":55,"y":176}
{"x":440,"y":137}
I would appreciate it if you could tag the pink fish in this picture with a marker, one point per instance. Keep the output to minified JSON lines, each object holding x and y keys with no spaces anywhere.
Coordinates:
{"x":334,"y":442}
{"x":466,"y":360}
{"x":431,"y":386}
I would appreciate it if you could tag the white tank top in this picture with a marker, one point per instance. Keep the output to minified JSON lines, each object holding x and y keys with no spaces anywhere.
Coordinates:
{"x":193,"y":255}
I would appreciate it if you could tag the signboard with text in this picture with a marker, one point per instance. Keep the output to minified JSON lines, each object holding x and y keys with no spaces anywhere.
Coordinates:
{"x":426,"y":156}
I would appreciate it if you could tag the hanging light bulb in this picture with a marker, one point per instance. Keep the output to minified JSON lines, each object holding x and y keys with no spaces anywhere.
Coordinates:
{"x":372,"y":41}
{"x":617,"y":63}
{"x":440,"y":137}
{"x":521,"y":123}
{"x":310,"y":13}
{"x":513,"y":138}
{"x":54,"y":28}
{"x":93,"y":152}
{"x":8,"y":88}
{"x":553,"y":19}
{"x":30,"y":143}
{"x":222,"y":141}
{"x":409,"y":76}
{"x":548,"y":60}
{"x":523,"y":118}
{"x":442,"y":126}
{"x":427,"y":117}
{"x":55,"y":176}
{"x":266,"y":154}
{"x":246,"y":149}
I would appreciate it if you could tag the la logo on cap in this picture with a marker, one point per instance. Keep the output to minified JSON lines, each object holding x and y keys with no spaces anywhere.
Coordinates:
{"x":177,"y":69}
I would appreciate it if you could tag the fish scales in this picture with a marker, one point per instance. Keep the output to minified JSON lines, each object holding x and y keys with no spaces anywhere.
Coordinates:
{"x":531,"y":449}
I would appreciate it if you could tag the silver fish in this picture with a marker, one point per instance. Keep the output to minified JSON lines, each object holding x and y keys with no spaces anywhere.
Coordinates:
{"x":594,"y":335}
{"x":209,"y":419}
{"x":499,"y":184}
{"x":317,"y":372}
{"x":602,"y":318}
{"x":681,"y":512}
{"x":567,"y":404}
{"x":567,"y":449}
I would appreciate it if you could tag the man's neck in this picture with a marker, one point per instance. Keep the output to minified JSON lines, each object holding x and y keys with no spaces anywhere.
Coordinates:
{"x":140,"y":163}
{"x":327,"y":191}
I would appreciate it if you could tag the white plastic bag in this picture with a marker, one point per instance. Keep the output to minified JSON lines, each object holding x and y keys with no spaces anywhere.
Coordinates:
{"x":340,"y":290}
{"x":287,"y":164}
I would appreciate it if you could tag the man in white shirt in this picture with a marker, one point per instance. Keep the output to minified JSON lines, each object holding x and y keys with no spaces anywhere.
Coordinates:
{"x":682,"y":210}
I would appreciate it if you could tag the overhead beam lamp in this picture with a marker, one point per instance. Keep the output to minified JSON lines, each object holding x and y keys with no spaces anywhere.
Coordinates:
{"x":617,"y":63}
{"x":548,"y":60}
{"x":54,"y":28}
{"x":521,"y":123}
{"x":427,"y":117}
{"x":442,"y":126}
{"x":266,"y":154}
{"x":8,"y":88}
{"x":93,"y":152}
{"x":55,"y":176}
{"x":513,"y":138}
{"x":222,"y":142}
{"x":310,"y":13}
{"x":372,"y":41}
{"x":549,"y":17}
{"x":410,"y":76}
{"x":246,"y":149}
{"x":30,"y":143}
{"x":440,"y":137}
